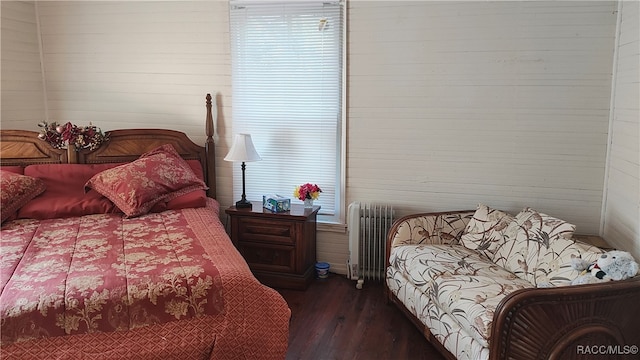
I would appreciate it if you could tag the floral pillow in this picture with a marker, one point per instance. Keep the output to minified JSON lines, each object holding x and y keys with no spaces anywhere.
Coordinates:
{"x":158,"y":175}
{"x":16,"y":190}
{"x":528,"y":239}
{"x":486,"y":230}
{"x":554,"y":267}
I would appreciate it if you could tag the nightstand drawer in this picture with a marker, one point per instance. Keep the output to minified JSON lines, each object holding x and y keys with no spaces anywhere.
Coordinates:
{"x":268,"y":257}
{"x":280,"y":248}
{"x":258,"y":230}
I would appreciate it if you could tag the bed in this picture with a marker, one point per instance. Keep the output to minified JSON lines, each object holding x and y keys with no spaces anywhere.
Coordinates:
{"x":93,"y":267}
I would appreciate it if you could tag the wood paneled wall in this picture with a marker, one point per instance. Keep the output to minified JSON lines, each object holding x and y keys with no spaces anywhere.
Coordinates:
{"x":505,"y":103}
{"x":22,"y":89}
{"x":139,"y":64}
{"x":622,"y":205}
{"x":449,"y":103}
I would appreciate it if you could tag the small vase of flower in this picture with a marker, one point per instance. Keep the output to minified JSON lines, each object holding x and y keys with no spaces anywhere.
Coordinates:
{"x":307,"y":193}
{"x":308,"y":203}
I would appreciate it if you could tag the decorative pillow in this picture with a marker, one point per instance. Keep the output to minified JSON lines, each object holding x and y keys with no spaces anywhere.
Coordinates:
{"x":16,"y":190}
{"x":14,"y":169}
{"x":527,"y":238}
{"x":194,"y":199}
{"x":65,"y":195}
{"x":58,"y":205}
{"x":158,"y":175}
{"x":554,"y":268}
{"x":486,"y":230}
{"x":196,"y":166}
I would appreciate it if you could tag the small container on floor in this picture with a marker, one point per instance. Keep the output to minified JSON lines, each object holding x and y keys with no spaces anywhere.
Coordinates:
{"x":322,"y":270}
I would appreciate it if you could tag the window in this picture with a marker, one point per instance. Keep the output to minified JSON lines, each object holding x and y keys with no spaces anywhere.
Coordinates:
{"x":287,"y":81}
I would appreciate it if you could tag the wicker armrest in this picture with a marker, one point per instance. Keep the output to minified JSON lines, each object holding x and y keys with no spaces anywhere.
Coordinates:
{"x":568,"y":322}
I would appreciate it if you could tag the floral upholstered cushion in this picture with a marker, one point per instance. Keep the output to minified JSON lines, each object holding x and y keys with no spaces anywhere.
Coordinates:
{"x":554,"y":267}
{"x":528,"y":238}
{"x":16,"y":190}
{"x":435,"y":228}
{"x":441,"y":325}
{"x":486,"y":230}
{"x":158,"y":175}
{"x":460,"y":281}
{"x":422,"y":264}
{"x":472,"y":299}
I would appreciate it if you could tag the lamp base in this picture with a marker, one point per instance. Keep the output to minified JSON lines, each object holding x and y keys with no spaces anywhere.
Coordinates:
{"x":243,"y":204}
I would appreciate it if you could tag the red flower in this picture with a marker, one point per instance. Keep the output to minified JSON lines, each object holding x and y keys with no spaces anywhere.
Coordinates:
{"x":59,"y":136}
{"x":307,"y":191}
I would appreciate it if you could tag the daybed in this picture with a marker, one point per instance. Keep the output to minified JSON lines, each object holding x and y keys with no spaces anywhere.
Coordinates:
{"x":483,"y":284}
{"x":118,"y":253}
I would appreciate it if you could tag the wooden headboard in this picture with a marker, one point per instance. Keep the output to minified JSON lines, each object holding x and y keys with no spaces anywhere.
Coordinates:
{"x":23,"y":147}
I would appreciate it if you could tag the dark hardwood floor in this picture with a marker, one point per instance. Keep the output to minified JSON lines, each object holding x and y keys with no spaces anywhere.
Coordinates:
{"x":334,"y":320}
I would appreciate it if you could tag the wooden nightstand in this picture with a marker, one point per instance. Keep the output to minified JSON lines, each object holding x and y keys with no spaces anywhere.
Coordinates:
{"x":280,"y":248}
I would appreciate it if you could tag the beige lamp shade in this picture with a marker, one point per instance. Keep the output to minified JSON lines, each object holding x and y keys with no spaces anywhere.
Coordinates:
{"x":242,"y":149}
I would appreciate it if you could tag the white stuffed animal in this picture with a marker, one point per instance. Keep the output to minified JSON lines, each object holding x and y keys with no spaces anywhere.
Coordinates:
{"x":612,"y":265}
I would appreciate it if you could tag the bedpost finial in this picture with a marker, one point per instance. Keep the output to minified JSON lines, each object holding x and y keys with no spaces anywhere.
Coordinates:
{"x":209,"y":169}
{"x":209,"y":128}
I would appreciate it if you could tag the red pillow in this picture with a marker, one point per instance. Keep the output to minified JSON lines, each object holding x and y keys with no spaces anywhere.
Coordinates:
{"x":56,"y":205}
{"x":65,"y":195}
{"x":158,"y":175}
{"x":14,"y":169}
{"x":197,"y":168}
{"x":194,"y":199}
{"x":16,"y":190}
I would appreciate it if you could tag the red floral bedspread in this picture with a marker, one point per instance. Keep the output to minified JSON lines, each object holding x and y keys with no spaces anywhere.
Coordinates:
{"x":103,"y":273}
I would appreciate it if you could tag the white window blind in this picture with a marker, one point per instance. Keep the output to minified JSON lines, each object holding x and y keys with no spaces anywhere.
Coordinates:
{"x":287,"y":93}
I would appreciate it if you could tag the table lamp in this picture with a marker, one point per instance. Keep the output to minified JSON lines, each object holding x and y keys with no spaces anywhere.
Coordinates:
{"x":243,"y":150}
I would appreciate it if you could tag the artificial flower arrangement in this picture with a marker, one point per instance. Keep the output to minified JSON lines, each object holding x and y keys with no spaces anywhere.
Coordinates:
{"x":307,"y":191}
{"x":59,"y":136}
